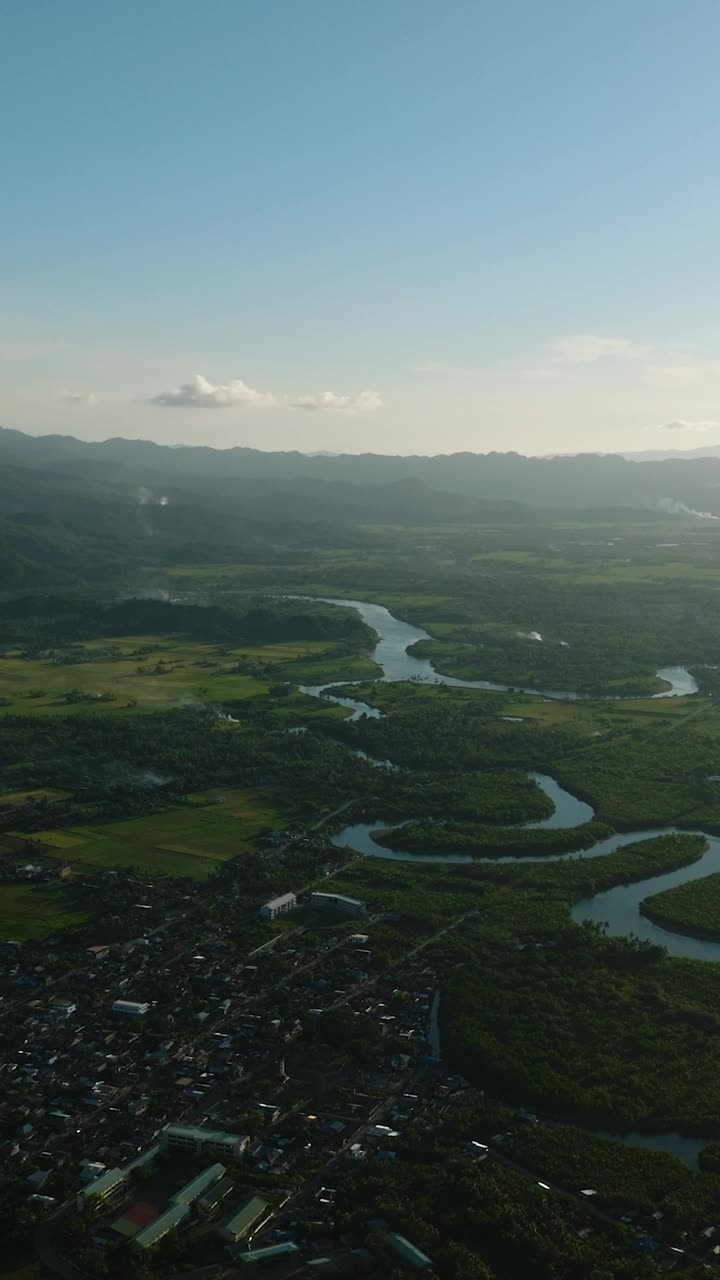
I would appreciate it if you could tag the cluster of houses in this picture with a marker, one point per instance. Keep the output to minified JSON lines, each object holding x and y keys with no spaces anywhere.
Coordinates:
{"x":146,"y":1054}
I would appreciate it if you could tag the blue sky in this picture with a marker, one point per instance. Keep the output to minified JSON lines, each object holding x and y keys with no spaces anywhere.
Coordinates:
{"x":407,"y":225}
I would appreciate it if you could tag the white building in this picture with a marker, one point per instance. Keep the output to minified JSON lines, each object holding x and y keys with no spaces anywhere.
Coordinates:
{"x":278,"y":906}
{"x":131,"y":1008}
{"x":179,"y":1137}
{"x":338,"y":902}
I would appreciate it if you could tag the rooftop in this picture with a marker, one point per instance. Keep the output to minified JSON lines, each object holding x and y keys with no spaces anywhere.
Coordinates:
{"x":201,"y":1183}
{"x":160,"y":1227}
{"x":245,"y":1217}
{"x":281,"y":900}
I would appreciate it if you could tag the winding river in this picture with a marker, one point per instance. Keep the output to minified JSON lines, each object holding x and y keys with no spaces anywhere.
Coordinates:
{"x":618,"y":908}
{"x":391,"y":655}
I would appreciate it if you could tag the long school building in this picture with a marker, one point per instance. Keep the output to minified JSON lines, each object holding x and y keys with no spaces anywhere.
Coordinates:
{"x":278,"y":906}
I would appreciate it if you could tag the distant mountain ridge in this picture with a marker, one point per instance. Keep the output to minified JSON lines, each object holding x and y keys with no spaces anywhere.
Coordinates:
{"x":70,"y":509}
{"x":669,"y":455}
{"x":566,"y":481}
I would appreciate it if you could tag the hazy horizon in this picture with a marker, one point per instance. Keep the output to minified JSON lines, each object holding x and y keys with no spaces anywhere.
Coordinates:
{"x":709,"y":448}
{"x":404,"y":229}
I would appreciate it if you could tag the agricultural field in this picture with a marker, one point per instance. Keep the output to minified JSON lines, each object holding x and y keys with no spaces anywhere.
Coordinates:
{"x":9,"y":799}
{"x":184,"y":841}
{"x":116,"y":676}
{"x":36,"y":910}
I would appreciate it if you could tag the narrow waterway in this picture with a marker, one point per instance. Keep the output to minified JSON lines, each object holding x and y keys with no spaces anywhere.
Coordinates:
{"x":433,"y":1034}
{"x":618,"y":908}
{"x":674,"y":1144}
{"x":391,"y":655}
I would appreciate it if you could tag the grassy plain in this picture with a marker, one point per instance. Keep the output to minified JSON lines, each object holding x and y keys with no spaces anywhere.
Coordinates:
{"x":34,"y":911}
{"x":185,"y":841}
{"x":174,"y":674}
{"x":10,"y":798}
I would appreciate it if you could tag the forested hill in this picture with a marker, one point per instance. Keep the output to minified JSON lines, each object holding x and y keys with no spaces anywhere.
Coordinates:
{"x":65,"y":521}
{"x":580,"y":481}
{"x":74,"y":512}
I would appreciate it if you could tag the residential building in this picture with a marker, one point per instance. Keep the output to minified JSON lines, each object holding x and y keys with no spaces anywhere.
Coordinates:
{"x":278,"y":906}
{"x":62,"y":1008}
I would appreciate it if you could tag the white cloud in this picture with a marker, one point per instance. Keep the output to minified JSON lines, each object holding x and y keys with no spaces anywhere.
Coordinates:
{"x":681,"y":424}
{"x":588,"y":348}
{"x":87,"y":398}
{"x":198,"y":393}
{"x":364,"y":402}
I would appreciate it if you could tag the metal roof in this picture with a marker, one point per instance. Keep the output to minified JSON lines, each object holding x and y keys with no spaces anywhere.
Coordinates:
{"x":245,"y":1217}
{"x":195,"y":1188}
{"x":167,"y":1221}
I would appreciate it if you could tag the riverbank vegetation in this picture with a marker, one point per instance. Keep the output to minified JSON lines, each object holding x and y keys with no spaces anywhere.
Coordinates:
{"x":639,"y":765}
{"x":601,"y":1034}
{"x":484,"y":841}
{"x":692,"y":908}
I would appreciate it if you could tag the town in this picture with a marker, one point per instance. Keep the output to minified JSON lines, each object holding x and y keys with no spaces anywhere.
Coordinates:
{"x":176,"y":1104}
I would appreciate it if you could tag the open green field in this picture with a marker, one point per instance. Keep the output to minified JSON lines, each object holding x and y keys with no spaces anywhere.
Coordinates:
{"x":34,"y":911}
{"x":598,"y":717}
{"x":185,"y":841}
{"x":174,"y":674}
{"x":589,"y":718}
{"x":10,"y":798}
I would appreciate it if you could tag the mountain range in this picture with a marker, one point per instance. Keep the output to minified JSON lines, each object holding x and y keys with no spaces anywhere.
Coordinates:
{"x":660,"y":455}
{"x":71,"y":508}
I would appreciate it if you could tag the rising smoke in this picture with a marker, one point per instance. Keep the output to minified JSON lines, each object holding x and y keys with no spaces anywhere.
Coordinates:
{"x":676,"y":508}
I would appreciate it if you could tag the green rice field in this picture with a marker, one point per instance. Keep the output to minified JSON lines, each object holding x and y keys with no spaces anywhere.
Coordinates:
{"x":186,"y":841}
